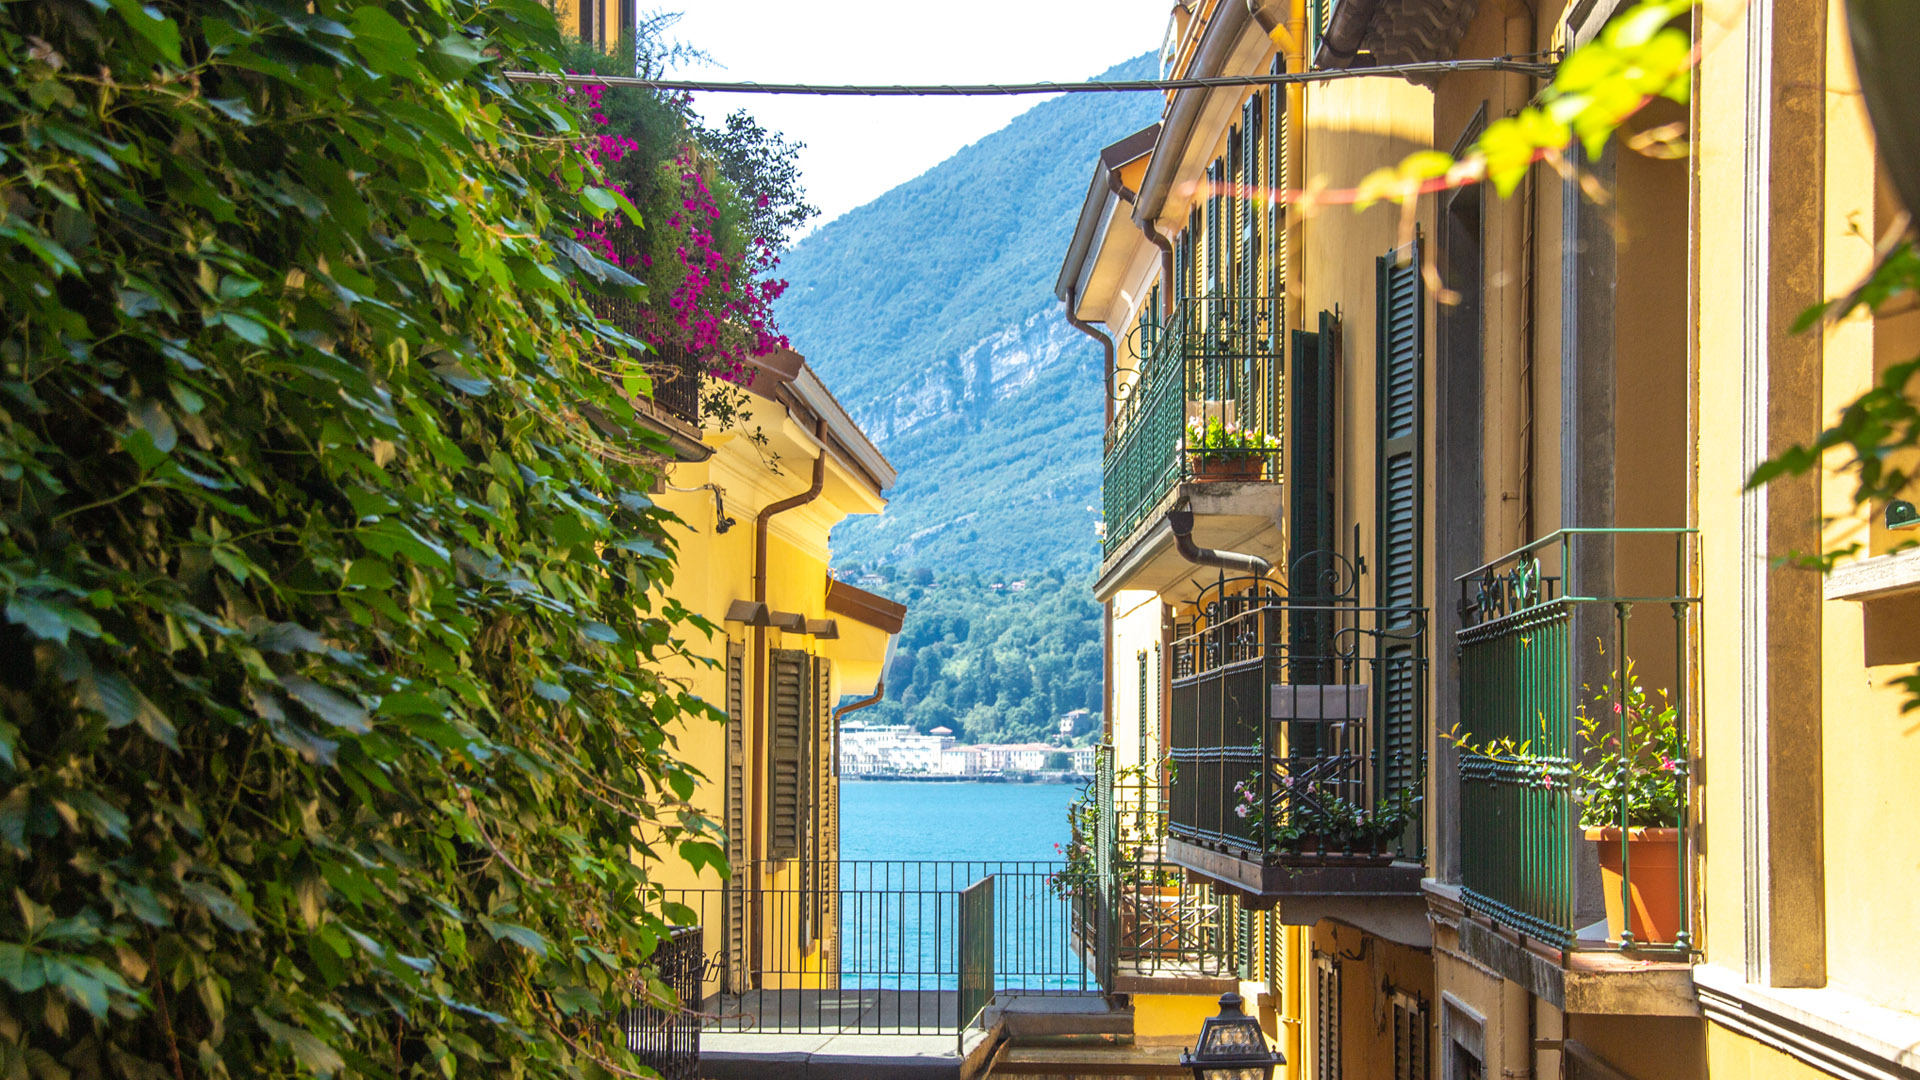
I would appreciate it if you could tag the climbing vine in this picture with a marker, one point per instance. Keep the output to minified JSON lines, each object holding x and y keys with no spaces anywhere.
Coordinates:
{"x":331,"y":710}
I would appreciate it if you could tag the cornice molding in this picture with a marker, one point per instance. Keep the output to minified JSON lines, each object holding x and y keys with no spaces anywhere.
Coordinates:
{"x":1832,"y":1031}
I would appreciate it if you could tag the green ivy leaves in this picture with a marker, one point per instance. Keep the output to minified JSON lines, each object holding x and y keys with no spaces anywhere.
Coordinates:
{"x":331,"y":706}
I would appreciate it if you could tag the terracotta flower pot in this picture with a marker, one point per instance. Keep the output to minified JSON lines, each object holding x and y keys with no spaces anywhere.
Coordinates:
{"x":1654,"y":892}
{"x":1210,"y":467}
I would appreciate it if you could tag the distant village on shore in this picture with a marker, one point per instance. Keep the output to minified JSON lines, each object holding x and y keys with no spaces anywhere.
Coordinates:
{"x":899,"y":752}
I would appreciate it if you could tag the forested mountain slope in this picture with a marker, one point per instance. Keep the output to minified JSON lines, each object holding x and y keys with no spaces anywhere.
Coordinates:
{"x":930,"y":312}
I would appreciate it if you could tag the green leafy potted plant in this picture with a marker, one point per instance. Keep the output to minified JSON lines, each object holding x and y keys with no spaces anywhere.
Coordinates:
{"x":1630,"y":793}
{"x":1220,"y":450}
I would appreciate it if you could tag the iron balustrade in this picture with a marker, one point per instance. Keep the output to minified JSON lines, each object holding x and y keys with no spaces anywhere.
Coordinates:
{"x":1217,"y":358}
{"x":1166,"y":921}
{"x":666,"y":1037}
{"x":888,"y":957}
{"x":1298,"y":723}
{"x":676,"y":373}
{"x":1547,"y":634}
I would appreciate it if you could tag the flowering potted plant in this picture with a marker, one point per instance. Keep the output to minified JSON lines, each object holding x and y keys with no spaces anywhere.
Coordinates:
{"x":1630,"y":795}
{"x":1327,"y":824}
{"x":1220,"y":450}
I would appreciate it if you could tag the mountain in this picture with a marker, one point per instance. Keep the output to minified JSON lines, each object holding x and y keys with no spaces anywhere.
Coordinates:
{"x":930,"y":312}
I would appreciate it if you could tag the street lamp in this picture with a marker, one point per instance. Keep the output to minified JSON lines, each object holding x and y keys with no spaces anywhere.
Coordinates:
{"x":1232,"y":1046}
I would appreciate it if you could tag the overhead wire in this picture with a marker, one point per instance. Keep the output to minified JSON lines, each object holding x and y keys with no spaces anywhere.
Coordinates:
{"x":1538,"y":68}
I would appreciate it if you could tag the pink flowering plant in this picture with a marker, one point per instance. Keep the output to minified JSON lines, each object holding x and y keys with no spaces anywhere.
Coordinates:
{"x":1315,"y":812}
{"x":713,"y":207}
{"x":1638,"y":779}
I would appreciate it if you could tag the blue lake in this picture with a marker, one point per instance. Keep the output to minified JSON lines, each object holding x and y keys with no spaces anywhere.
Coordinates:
{"x":900,"y":841}
{"x":902,"y":819}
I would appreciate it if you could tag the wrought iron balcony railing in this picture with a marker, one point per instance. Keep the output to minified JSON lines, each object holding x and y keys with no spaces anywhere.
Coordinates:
{"x":1159,"y":920}
{"x":676,"y":373}
{"x":1575,"y":728}
{"x":1299,"y":725}
{"x":1217,"y":360}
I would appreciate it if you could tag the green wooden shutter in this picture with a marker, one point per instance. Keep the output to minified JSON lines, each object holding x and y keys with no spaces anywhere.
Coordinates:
{"x":1244,"y":198}
{"x":1215,"y":172}
{"x":1399,"y":437}
{"x":1310,"y":472}
{"x":735,"y":811}
{"x":787,"y":754}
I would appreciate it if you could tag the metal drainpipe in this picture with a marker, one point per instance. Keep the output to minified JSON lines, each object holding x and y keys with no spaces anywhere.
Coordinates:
{"x":1105,"y":340}
{"x":1181,"y":522}
{"x":756,"y":830}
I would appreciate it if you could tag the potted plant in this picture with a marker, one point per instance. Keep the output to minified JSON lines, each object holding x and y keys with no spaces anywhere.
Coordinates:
{"x":1219,"y":450}
{"x":1630,"y":792}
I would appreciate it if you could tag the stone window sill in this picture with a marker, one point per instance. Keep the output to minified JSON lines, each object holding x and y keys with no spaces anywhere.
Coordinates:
{"x":1871,"y":579}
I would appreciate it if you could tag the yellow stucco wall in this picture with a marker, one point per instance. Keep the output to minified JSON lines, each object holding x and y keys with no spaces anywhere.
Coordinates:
{"x":1734,"y":1057}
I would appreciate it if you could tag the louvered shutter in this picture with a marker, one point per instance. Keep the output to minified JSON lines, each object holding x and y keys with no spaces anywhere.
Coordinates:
{"x":1326,"y":1019}
{"x":1410,"y":1050}
{"x":1310,"y":472}
{"x":1400,"y":382}
{"x":1245,"y":197}
{"x":1213,"y":237}
{"x":735,"y":811}
{"x":787,"y":753}
{"x":1190,"y":281}
{"x":827,"y":813}
{"x":817,"y":811}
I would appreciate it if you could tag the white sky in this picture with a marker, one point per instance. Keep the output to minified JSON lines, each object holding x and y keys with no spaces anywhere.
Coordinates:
{"x":857,"y":148}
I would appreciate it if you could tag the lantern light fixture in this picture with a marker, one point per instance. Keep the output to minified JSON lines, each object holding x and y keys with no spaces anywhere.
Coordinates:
{"x":1231,"y":1046}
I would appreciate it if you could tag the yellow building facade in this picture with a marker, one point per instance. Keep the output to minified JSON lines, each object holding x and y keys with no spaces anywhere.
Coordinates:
{"x":757,"y":501}
{"x":1523,"y":426}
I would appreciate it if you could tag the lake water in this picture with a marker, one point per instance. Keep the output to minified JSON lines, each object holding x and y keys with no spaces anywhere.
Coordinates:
{"x":899,"y":919}
{"x":904,"y":819}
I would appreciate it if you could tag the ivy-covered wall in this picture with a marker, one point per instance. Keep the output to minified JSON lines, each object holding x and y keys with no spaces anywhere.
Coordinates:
{"x":328,"y":709}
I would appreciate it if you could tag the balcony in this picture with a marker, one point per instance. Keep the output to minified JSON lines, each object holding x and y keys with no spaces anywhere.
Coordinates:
{"x":1575,"y":736}
{"x":1217,"y":360}
{"x":1298,"y":752}
{"x":1148,"y":924}
{"x":676,"y":373}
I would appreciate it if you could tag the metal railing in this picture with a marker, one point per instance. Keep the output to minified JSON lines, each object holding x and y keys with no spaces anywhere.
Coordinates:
{"x":882,"y":953}
{"x":1549,"y":664}
{"x":1217,"y":359}
{"x":976,"y":949}
{"x":1167,"y":922}
{"x":1298,"y":723}
{"x":664,"y":1038}
{"x":676,"y":373}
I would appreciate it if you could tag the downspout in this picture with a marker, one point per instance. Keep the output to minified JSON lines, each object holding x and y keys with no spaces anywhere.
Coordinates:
{"x":879,"y":691}
{"x":1105,"y":340}
{"x":1346,"y":31}
{"x":1181,"y":522}
{"x":756,"y":831}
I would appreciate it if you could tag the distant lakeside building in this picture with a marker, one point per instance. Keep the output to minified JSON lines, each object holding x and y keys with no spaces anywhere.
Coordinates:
{"x":898,"y":750}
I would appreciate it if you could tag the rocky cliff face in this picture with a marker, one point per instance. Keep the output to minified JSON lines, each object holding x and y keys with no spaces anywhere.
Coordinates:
{"x":930,"y":312}
{"x":992,"y":370}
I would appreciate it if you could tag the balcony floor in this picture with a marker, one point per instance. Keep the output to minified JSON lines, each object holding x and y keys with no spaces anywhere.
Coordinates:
{"x":1242,"y":517}
{"x":1382,"y":899}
